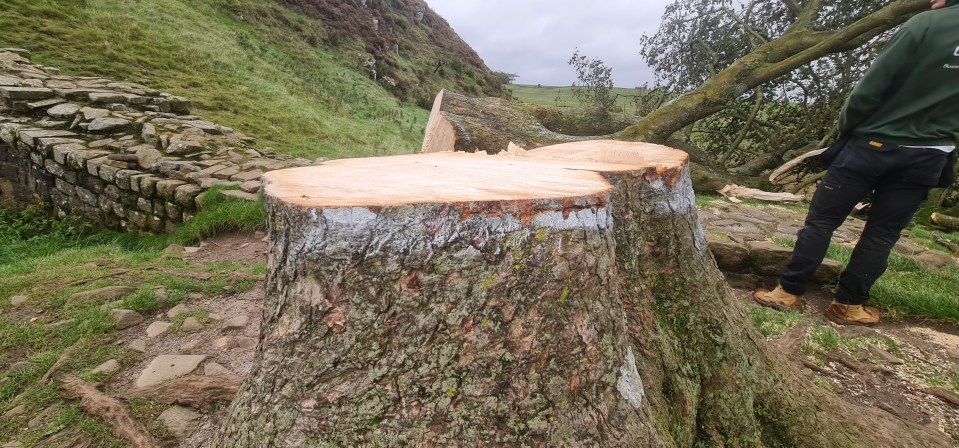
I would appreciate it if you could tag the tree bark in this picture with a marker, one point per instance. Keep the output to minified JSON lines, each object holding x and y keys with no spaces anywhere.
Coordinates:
{"x":561,"y":297}
{"x":460,"y":123}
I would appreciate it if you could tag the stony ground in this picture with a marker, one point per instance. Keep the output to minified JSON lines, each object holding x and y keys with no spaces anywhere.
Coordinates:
{"x":907,"y":368}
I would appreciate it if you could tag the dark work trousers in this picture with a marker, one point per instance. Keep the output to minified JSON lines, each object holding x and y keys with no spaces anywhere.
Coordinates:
{"x":900,"y":179}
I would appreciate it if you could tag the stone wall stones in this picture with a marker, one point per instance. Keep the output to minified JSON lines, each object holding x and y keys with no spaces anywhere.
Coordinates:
{"x":121,"y":155}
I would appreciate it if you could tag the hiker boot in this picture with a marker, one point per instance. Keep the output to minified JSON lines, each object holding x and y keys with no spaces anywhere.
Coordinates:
{"x":778,"y":299}
{"x":843,"y":314}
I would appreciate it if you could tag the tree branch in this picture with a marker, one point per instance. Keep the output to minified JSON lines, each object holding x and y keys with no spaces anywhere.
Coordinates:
{"x":793,"y":6}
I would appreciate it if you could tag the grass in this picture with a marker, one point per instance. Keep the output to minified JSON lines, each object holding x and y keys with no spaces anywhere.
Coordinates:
{"x":563,"y":97}
{"x":49,"y":260}
{"x":249,"y":65}
{"x":772,"y":323}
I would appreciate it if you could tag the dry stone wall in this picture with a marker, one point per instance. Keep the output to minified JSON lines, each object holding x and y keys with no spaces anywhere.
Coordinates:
{"x":122,"y":155}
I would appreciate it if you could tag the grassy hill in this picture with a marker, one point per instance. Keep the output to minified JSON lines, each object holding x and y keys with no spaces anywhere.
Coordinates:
{"x":290,"y":73}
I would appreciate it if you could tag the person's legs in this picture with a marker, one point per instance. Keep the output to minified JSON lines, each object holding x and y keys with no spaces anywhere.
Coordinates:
{"x":835,"y":198}
{"x":896,"y":200}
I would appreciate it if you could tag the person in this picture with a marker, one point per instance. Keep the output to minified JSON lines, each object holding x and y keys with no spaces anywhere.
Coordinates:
{"x":901,"y":125}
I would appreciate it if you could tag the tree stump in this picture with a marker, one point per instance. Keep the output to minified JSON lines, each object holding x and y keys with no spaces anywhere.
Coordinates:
{"x":562,"y":297}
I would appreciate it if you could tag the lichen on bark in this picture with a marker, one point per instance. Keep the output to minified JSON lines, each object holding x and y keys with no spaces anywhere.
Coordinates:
{"x":425,"y":325}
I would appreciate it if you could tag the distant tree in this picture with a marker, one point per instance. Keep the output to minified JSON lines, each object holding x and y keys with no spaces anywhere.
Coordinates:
{"x":594,"y":86}
{"x":505,"y":77}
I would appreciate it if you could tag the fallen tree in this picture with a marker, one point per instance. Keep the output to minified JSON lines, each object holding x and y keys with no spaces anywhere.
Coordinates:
{"x":564,"y":296}
{"x":801,"y":32}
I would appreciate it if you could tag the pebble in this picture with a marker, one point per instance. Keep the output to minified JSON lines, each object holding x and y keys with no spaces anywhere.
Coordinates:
{"x":18,"y":300}
{"x":157,"y":328}
{"x":139,"y":345}
{"x":243,"y":343}
{"x":215,"y":369}
{"x":125,"y":318}
{"x":18,"y":411}
{"x":178,"y":310}
{"x":111,"y":366}
{"x":61,"y":323}
{"x":236,"y":322}
{"x":189,"y":346}
{"x":180,"y":421}
{"x":191,"y":325}
{"x":167,"y":367}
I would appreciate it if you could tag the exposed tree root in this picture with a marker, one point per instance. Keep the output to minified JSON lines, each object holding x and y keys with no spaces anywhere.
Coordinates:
{"x":110,"y":410}
{"x":68,"y":438}
{"x":943,"y":394}
{"x":790,"y":341}
{"x":102,"y":277}
{"x":196,"y":391}
{"x":61,"y":361}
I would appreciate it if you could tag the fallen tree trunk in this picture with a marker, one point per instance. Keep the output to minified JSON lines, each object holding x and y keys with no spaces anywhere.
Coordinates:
{"x":948,"y":223}
{"x":460,"y":123}
{"x":561,"y":297}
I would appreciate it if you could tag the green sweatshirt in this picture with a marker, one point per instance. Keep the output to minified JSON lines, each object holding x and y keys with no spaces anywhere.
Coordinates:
{"x":910,"y":94}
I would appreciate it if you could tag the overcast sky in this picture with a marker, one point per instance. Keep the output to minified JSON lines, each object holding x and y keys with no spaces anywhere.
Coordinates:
{"x":535,"y":38}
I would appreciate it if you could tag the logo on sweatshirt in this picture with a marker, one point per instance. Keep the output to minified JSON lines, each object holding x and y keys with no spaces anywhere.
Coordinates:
{"x":957,"y":52}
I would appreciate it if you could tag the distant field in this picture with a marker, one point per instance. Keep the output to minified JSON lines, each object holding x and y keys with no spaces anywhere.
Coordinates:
{"x":563,"y":96}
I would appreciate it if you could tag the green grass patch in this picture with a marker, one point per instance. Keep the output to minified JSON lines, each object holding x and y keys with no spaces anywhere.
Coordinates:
{"x":76,"y":258}
{"x":772,"y":323}
{"x":563,"y":97}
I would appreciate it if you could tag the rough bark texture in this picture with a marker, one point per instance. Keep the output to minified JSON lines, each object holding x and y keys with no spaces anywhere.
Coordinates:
{"x":594,"y":320}
{"x":461,"y":123}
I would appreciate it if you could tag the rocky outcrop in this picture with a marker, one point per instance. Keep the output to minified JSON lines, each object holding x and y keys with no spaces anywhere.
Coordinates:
{"x":121,"y":155}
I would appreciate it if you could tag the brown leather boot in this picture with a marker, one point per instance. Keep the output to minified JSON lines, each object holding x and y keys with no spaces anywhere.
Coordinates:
{"x":778,"y":299}
{"x":852,"y":314}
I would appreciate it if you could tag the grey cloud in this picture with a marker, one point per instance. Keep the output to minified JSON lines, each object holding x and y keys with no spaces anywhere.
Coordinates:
{"x":535,"y":38}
